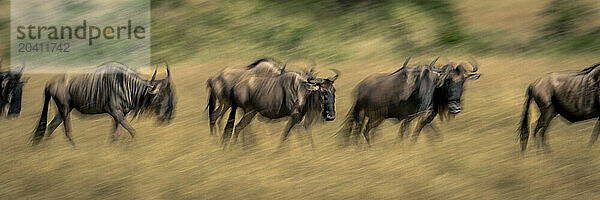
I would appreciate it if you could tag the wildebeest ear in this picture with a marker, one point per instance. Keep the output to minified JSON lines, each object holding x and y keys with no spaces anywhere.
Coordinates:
{"x":460,"y":69}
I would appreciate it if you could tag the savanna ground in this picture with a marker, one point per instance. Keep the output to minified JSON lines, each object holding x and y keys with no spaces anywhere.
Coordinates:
{"x":476,"y":157}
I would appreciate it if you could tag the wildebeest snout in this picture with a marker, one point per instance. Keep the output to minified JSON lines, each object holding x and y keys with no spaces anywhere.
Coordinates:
{"x":329,"y":116}
{"x":454,"y":107}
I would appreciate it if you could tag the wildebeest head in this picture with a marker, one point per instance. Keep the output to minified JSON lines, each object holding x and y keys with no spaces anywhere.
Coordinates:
{"x":162,"y":96}
{"x":453,"y":82}
{"x":12,"y":89}
{"x":326,"y":92}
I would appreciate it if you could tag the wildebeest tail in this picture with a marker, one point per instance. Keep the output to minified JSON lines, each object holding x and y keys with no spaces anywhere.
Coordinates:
{"x":210,"y":93}
{"x":212,"y":103}
{"x":15,"y":104}
{"x":524,"y":126}
{"x":211,"y":106}
{"x":41,"y":128}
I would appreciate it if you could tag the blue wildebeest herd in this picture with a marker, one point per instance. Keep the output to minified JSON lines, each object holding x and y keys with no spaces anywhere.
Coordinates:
{"x":265,"y":87}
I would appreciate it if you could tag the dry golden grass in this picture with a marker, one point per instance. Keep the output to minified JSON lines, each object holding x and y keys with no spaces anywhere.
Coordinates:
{"x":476,"y":158}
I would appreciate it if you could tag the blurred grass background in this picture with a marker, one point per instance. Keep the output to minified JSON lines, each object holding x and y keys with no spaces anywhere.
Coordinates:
{"x":342,"y":30}
{"x":515,"y":42}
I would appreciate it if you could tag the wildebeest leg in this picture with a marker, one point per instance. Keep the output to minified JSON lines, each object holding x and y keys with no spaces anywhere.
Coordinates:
{"x":308,"y":132}
{"x":595,"y":133}
{"x":295,"y":119}
{"x":115,"y":132}
{"x":64,"y":112}
{"x":542,"y":125}
{"x":2,"y":107}
{"x":425,"y":119}
{"x":222,"y":112}
{"x":246,"y":119}
{"x":53,"y":125}
{"x":216,"y":116}
{"x":118,"y":116}
{"x":405,"y":124}
{"x":373,"y":123}
{"x":3,"y":104}
{"x":434,"y":129}
{"x":357,"y":130}
{"x":229,"y":126}
{"x":436,"y":134}
{"x":362,"y":128}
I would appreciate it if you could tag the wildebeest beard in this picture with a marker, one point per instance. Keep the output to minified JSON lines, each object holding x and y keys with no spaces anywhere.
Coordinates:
{"x":320,"y":106}
{"x":15,"y":100}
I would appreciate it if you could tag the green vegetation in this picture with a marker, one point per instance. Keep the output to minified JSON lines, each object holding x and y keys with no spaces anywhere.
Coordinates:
{"x":340,"y":30}
{"x":564,"y":29}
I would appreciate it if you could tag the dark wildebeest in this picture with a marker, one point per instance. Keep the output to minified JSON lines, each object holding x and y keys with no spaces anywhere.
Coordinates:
{"x":220,"y":86}
{"x":423,"y":91}
{"x":11,"y":90}
{"x":113,"y":89}
{"x":294,"y":94}
{"x":573,"y":95}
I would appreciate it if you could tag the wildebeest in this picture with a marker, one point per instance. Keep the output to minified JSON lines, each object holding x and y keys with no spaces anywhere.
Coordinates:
{"x":405,"y":94}
{"x":573,"y":95}
{"x":294,"y":94}
{"x":220,"y":85}
{"x":11,"y":89}
{"x":113,"y":89}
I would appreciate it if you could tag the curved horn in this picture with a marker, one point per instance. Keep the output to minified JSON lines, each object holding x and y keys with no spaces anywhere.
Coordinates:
{"x":475,"y":65}
{"x":406,"y":62}
{"x":168,"y":71}
{"x":284,"y":65}
{"x":433,"y":63}
{"x":22,"y":68}
{"x":154,"y":75}
{"x":337,"y":74}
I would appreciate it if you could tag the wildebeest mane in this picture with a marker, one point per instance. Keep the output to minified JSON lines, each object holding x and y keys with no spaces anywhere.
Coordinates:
{"x":255,"y":63}
{"x":588,"y":69}
{"x":440,"y":103}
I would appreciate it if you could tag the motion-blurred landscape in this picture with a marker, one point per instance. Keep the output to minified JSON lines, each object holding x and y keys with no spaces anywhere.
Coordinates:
{"x":477,"y":156}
